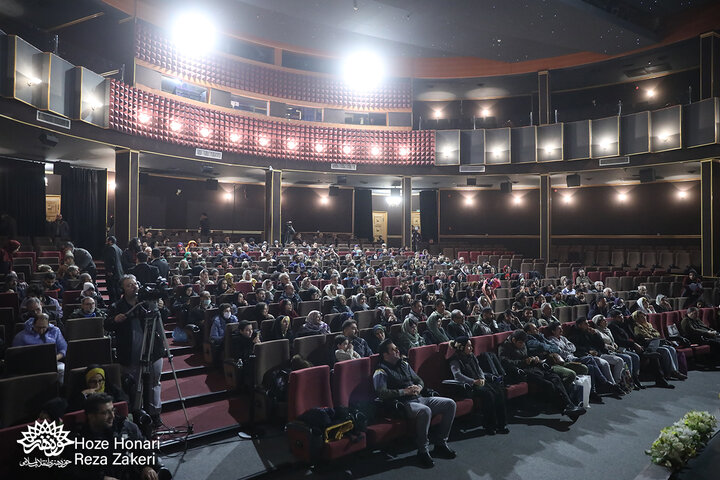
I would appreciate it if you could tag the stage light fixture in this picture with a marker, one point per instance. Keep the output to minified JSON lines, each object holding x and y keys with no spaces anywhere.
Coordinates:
{"x":193,"y":34}
{"x":363,"y":70}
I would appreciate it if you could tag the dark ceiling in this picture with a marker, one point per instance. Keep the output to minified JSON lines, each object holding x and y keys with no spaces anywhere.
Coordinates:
{"x":503,"y":30}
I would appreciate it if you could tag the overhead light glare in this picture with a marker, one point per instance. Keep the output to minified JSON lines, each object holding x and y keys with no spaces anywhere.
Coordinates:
{"x":363,"y":70}
{"x":319,"y":147}
{"x":264,"y":141}
{"x":375,"y":150}
{"x":193,"y":34}
{"x":143,"y":117}
{"x":205,"y":132}
{"x":234,"y":137}
{"x":347,"y":149}
{"x":404,"y":151}
{"x":175,"y":126}
{"x":292,"y":144}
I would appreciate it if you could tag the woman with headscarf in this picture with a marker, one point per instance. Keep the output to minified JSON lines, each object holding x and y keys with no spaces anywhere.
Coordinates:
{"x":313,"y":325}
{"x":435,"y":333}
{"x":409,"y":337}
{"x":340,"y":306}
{"x":383,"y":300}
{"x":378,"y":336}
{"x":286,"y":308}
{"x":466,"y":369}
{"x":281,"y":329}
{"x":258,"y":313}
{"x":95,"y":381}
{"x":644,"y":306}
{"x":359,"y":303}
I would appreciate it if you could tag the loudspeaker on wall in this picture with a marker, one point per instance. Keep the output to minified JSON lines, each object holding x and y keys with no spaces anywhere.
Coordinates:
{"x":506,"y":187}
{"x":647,"y":175}
{"x":211,"y":184}
{"x":573,"y":180}
{"x":333,"y":192}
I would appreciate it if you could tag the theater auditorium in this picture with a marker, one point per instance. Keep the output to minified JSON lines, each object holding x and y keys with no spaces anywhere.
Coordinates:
{"x":333,"y":239}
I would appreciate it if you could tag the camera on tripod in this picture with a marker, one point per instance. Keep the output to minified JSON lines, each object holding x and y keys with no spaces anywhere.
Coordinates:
{"x":150,"y":293}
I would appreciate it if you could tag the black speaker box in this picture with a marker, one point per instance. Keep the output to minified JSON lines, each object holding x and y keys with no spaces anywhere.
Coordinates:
{"x":471,"y":181}
{"x":61,"y":168}
{"x":573,"y":180}
{"x":647,"y":175}
{"x":211,"y":184}
{"x":333,"y":192}
{"x":506,"y":187}
{"x":342,"y":180}
{"x":48,"y":139}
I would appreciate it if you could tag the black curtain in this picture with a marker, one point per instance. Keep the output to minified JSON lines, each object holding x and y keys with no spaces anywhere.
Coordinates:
{"x":429,"y":215}
{"x":363,"y":214}
{"x":22,"y":195}
{"x":83,"y":203}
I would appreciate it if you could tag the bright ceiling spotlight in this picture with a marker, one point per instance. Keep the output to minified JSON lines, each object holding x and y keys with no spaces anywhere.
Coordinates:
{"x":496,"y":152}
{"x":143,"y":117}
{"x":292,"y":144}
{"x":437,"y":113}
{"x":605,"y":143}
{"x":622,"y":197}
{"x":324,"y":200}
{"x":234,"y":137}
{"x":469,"y":201}
{"x":264,"y":141}
{"x":485,"y":112}
{"x":664,"y":136}
{"x":228,"y":196}
{"x":319,"y":147}
{"x":32,"y":81}
{"x":650,"y":93}
{"x":363,"y":70}
{"x":393,"y":201}
{"x":682,"y":194}
{"x":375,"y":150}
{"x":567,"y":198}
{"x":194,"y":34}
{"x":347,"y":149}
{"x":548,"y":149}
{"x":404,"y":151}
{"x":517,"y":200}
{"x":95,"y":104}
{"x":205,"y":132}
{"x":175,"y":126}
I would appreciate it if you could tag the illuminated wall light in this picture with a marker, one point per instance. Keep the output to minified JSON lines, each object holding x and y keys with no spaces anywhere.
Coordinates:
{"x":567,"y":198}
{"x":605,"y":143}
{"x":205,"y":132}
{"x":437,"y":114}
{"x":469,"y":201}
{"x":95,"y":104}
{"x":347,"y":149}
{"x":324,"y":200}
{"x":111,"y":185}
{"x":46,"y":181}
{"x":234,"y":137}
{"x":175,"y":126}
{"x":682,"y":194}
{"x":32,"y":81}
{"x":393,"y":201}
{"x":264,"y":141}
{"x":664,"y":136}
{"x":496,"y":152}
{"x":404,"y":151}
{"x":549,"y":149}
{"x":622,"y":197}
{"x":292,"y":144}
{"x":143,"y":117}
{"x":650,"y":93}
{"x":517,"y":200}
{"x":228,"y":196}
{"x":485,"y":112}
{"x":319,"y":147}
{"x":375,"y":150}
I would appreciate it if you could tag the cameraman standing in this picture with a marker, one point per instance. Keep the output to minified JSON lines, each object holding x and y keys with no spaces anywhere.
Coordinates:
{"x":129,"y":330}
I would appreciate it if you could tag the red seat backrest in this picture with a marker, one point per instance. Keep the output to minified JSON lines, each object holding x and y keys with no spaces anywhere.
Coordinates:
{"x":656,"y":320}
{"x":308,"y":388}
{"x":499,"y":338}
{"x":429,"y":365}
{"x":352,"y":382}
{"x":482,"y":344}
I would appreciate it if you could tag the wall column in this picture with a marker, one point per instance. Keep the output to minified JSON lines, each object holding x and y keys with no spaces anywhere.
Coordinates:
{"x":544,"y":104}
{"x":273,"y":196}
{"x":709,"y":65}
{"x":127,"y":174}
{"x":710,"y":223}
{"x":407,"y":211}
{"x":545,"y":205}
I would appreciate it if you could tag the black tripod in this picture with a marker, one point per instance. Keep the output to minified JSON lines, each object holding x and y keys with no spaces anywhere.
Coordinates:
{"x":153,"y":322}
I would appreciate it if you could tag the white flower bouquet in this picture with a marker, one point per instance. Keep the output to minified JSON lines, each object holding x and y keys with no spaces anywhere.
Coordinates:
{"x":682,"y":440}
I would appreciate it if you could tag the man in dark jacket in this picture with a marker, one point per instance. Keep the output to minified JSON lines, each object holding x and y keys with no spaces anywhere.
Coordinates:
{"x":514,"y":356}
{"x":350,"y":330}
{"x":624,"y":337}
{"x":696,"y":331}
{"x":598,"y":307}
{"x":112,"y":256}
{"x":83,"y":259}
{"x":143,"y":272}
{"x":458,"y":326}
{"x":129,"y":326}
{"x":159,"y":262}
{"x":394,"y":380}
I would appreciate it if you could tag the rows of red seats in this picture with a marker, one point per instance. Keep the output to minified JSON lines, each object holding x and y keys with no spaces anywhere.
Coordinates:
{"x":153,"y":47}
{"x":142,"y":113}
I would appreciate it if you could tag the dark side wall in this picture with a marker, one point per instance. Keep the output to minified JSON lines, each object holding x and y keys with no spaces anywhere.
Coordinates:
{"x":162,"y":207}
{"x":492,"y":212}
{"x":303,"y":206}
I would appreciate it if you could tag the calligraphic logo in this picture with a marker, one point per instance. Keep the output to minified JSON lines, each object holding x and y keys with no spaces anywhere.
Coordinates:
{"x":47,"y":437}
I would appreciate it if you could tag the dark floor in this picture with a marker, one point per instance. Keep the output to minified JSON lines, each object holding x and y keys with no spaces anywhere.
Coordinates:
{"x":606,"y":443}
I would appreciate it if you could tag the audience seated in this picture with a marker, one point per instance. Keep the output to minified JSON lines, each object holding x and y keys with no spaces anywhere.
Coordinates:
{"x":38,"y":330}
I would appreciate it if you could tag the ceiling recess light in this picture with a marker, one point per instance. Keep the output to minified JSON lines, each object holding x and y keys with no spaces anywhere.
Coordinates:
{"x":205,"y":132}
{"x":375,"y":150}
{"x":549,"y":150}
{"x":469,"y":201}
{"x":143,"y":117}
{"x":622,"y":197}
{"x":650,"y":93}
{"x":567,"y":198}
{"x":496,"y":152}
{"x":363,"y":70}
{"x":324,"y":200}
{"x":485,"y":112}
{"x":291,"y":144}
{"x":404,"y":151}
{"x":228,"y":196}
{"x":111,"y":185}
{"x":517,"y":200}
{"x":264,"y":141}
{"x":682,"y":194}
{"x":234,"y":137}
{"x":347,"y":149}
{"x":319,"y":147}
{"x":664,"y":136}
{"x":32,"y":81}
{"x":437,"y":113}
{"x":193,"y":34}
{"x":175,"y":126}
{"x":605,"y":143}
